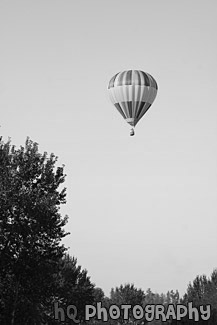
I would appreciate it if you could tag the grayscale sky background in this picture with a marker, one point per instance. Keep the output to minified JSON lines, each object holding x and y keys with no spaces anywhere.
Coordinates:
{"x":141,"y":209}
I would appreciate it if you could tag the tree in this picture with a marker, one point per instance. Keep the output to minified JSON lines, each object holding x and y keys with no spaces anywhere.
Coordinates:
{"x":202,"y":291}
{"x":74,"y":286}
{"x":128,"y":295}
{"x":99,"y":295}
{"x":31,"y":229}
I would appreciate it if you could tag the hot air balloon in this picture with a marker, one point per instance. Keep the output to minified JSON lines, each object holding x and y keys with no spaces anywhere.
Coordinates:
{"x":132,"y":92}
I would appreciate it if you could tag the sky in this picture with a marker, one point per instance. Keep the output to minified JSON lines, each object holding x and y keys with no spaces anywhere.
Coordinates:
{"x":141,"y":209}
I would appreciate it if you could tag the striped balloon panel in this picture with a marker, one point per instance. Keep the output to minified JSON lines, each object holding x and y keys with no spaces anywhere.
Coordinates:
{"x":133,"y":77}
{"x":125,"y":109}
{"x":132,"y":101}
{"x":132,"y":93}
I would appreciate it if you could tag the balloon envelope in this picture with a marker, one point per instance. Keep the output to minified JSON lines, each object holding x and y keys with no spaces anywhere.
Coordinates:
{"x":132,"y":92}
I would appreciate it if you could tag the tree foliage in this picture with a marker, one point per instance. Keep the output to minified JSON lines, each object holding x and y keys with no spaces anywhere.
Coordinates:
{"x":31,"y":230}
{"x":74,"y":286}
{"x":202,"y":291}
